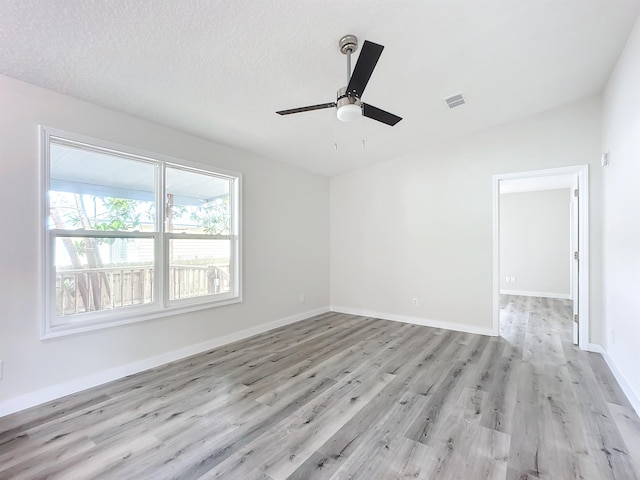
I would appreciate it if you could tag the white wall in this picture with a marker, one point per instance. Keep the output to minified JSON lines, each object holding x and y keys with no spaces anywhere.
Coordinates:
{"x":535,"y":243}
{"x":286,"y":245}
{"x":421,"y":226}
{"x":621,"y":137}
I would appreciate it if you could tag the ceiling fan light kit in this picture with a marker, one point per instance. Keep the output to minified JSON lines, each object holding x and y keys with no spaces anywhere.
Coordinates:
{"x":348,"y":105}
{"x":348,"y":108}
{"x":350,"y":112}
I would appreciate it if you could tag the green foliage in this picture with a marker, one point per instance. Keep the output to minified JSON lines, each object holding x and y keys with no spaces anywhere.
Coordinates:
{"x":213,"y":217}
{"x":69,"y":286}
{"x":122,"y":214}
{"x":80,"y":247}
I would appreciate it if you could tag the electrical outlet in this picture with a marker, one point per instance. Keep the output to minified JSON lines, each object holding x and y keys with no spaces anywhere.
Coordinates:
{"x":415,"y":302}
{"x":302,"y":298}
{"x":507,"y":279}
{"x":513,"y":279}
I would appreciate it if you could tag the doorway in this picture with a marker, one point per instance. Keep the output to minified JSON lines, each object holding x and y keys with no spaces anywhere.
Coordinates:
{"x":574,"y":182}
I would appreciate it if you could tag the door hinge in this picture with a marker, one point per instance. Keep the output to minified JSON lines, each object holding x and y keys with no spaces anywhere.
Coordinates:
{"x":576,"y":255}
{"x":575,"y":192}
{"x":576,"y":319}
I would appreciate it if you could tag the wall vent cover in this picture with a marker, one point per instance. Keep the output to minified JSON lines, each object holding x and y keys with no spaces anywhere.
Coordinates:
{"x":455,"y":100}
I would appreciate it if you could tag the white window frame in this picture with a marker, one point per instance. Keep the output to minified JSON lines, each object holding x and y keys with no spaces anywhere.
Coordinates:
{"x":161,"y":306}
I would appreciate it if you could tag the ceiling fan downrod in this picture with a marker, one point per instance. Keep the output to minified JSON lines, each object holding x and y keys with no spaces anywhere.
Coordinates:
{"x":348,"y":107}
{"x":348,"y":45}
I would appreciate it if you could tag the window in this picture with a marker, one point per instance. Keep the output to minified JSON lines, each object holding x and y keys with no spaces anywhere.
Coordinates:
{"x":131,"y":236}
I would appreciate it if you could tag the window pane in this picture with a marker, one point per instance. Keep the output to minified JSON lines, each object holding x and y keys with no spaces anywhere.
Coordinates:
{"x":93,"y":274}
{"x":97,"y":191}
{"x":198,"y":267}
{"x":199,"y":203}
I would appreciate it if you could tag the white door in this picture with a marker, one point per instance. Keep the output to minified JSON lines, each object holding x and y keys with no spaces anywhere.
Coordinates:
{"x":575,"y":258}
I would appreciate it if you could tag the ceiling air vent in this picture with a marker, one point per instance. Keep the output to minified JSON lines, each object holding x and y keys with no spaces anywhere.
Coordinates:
{"x":455,"y":100}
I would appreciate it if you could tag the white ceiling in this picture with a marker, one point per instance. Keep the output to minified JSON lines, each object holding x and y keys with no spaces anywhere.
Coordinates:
{"x":220,"y":69}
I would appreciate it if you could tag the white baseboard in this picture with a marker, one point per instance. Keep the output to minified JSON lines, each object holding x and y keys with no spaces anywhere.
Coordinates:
{"x":633,"y":397}
{"x":425,"y":322}
{"x":39,"y":397}
{"x":562,"y":296}
{"x":595,"y":348}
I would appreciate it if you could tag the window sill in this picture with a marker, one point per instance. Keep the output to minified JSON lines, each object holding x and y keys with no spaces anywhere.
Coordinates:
{"x":50,"y":332}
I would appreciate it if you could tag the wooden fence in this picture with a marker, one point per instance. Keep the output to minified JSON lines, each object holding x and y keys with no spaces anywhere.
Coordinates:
{"x":79,"y":291}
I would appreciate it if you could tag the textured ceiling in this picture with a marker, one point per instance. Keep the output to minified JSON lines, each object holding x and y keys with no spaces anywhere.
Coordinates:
{"x":220,"y":69}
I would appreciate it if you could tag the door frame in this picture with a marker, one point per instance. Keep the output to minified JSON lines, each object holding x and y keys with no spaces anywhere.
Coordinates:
{"x":582,"y":172}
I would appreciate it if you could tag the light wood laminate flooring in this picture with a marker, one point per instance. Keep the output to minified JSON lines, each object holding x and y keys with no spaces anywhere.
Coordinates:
{"x":340,"y":396}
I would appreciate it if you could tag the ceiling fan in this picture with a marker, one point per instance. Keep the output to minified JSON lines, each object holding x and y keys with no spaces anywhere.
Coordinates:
{"x":348,"y":104}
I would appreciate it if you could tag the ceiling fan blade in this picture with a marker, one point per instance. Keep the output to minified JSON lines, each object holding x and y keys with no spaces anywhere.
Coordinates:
{"x":307,"y":109}
{"x":380,"y":115}
{"x":367,"y":60}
